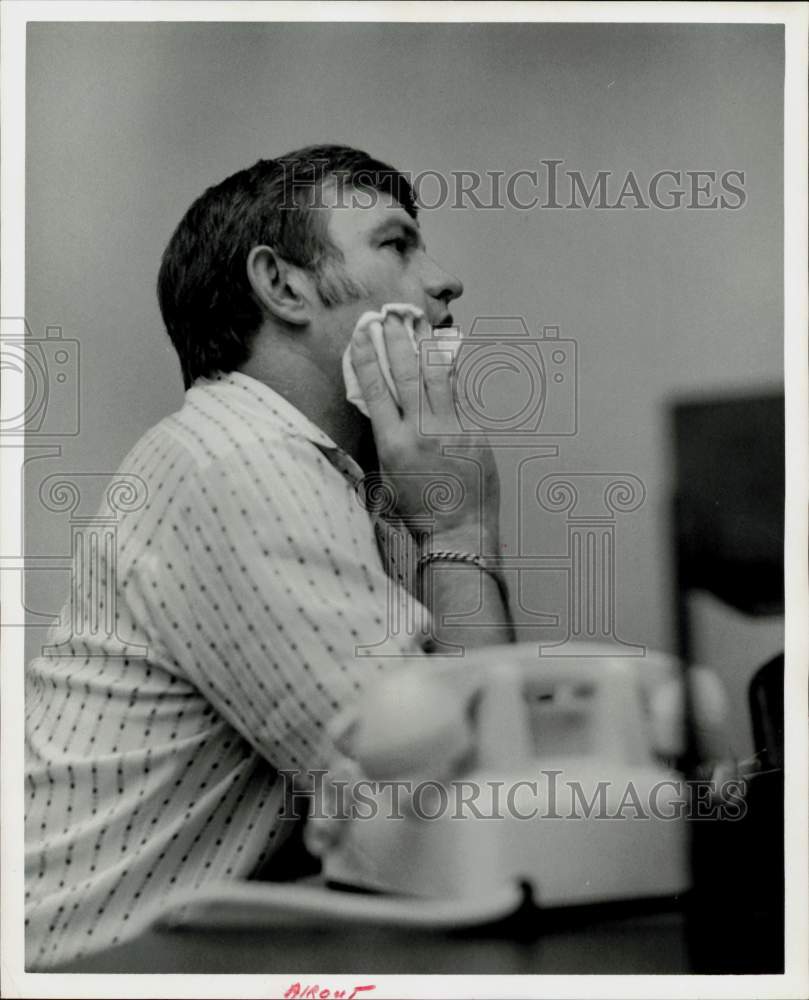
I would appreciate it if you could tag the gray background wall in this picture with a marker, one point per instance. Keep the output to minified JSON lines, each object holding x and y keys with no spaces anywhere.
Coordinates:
{"x":128,"y":123}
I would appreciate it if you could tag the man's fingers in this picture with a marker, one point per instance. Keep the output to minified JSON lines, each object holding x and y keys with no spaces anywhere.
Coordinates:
{"x":404,"y":368}
{"x":381,"y":405}
{"x":437,"y":359}
{"x":403,"y":360}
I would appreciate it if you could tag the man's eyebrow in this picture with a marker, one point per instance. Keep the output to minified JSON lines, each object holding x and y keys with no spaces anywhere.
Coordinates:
{"x":410,"y":230}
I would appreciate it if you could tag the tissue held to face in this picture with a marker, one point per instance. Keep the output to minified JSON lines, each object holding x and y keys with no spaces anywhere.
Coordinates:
{"x":417,"y":327}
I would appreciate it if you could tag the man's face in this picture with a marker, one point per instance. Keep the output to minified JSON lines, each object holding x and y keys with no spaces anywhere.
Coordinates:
{"x":385,"y":259}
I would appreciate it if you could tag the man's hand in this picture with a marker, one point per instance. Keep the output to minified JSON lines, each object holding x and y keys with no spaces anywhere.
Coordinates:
{"x":411,"y":439}
{"x":412,"y":459}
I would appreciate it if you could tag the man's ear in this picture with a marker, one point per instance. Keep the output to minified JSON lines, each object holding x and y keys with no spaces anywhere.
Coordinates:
{"x":280,"y":287}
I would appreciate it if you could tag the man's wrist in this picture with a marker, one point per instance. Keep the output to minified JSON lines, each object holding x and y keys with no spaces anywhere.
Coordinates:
{"x":435,"y":556}
{"x":462,"y":538}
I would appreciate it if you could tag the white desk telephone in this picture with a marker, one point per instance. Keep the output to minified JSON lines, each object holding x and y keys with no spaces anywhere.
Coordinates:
{"x":512,"y":767}
{"x":533,"y":771}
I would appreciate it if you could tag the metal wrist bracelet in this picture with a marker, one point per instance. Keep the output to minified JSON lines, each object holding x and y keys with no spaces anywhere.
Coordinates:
{"x":469,"y":558}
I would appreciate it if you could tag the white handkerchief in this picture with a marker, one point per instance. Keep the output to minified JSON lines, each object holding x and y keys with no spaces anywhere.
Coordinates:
{"x":417,"y":328}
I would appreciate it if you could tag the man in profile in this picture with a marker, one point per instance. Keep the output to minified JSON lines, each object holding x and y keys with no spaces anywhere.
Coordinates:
{"x":253,"y":575}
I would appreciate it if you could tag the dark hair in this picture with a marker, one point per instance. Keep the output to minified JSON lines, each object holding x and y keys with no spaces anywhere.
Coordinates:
{"x":206,"y":301}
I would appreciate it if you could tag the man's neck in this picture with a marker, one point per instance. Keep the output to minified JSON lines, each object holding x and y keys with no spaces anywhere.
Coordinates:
{"x":320,"y":398}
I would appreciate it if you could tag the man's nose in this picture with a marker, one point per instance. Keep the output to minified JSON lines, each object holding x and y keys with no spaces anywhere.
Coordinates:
{"x":442,"y":285}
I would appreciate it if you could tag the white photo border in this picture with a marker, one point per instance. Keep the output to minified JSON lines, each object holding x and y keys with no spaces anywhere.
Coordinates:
{"x":16,"y":14}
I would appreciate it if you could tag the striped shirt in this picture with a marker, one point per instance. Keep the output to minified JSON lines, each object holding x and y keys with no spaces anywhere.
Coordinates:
{"x":244,"y":588}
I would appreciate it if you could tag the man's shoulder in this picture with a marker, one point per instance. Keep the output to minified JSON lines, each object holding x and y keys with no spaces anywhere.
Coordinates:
{"x":208,"y":430}
{"x":209,"y":451}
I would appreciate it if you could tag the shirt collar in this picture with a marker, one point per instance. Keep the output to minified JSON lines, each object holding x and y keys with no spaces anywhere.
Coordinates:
{"x":256,"y":398}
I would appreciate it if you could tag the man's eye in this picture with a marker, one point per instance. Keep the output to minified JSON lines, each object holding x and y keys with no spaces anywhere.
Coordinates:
{"x":399,"y":244}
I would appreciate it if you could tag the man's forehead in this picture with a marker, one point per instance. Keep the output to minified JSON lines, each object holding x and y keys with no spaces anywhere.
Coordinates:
{"x":356,"y":213}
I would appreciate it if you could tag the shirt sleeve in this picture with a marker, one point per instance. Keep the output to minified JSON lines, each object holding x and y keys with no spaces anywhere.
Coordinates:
{"x":272,"y":599}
